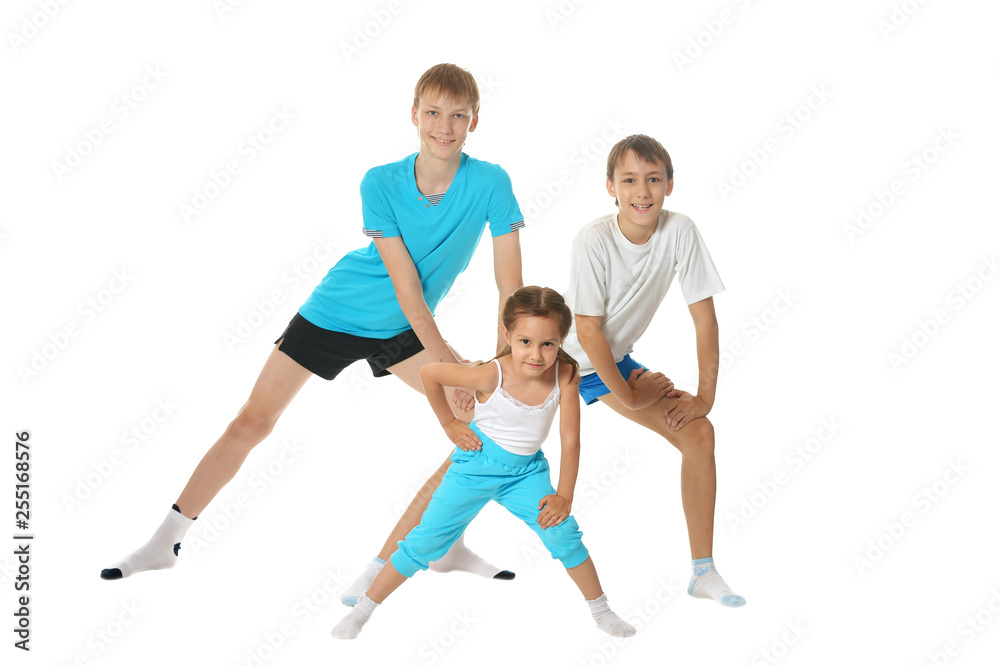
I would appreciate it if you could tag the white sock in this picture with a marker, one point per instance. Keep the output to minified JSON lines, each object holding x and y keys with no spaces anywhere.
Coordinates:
{"x":607,"y":620}
{"x":351,"y":625}
{"x":362,"y":583}
{"x":160,"y":552}
{"x":460,"y":558}
{"x":706,"y":583}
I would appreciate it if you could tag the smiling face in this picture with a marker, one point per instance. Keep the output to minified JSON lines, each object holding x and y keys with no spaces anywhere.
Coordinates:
{"x":534,"y":343}
{"x":640,"y":188}
{"x":442,"y":124}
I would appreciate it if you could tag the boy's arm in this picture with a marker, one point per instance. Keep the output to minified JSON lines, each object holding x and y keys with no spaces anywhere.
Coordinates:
{"x":640,"y":390}
{"x":554,"y":509}
{"x":507,"y":269}
{"x":435,"y":376}
{"x":706,"y":328}
{"x":410,"y":294}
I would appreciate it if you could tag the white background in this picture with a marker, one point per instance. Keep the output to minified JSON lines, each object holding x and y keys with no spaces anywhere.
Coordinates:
{"x":556,"y":87}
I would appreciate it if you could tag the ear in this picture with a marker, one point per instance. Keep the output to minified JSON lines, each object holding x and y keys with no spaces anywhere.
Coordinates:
{"x":506,"y":334}
{"x":413,"y":115}
{"x":475,"y":121}
{"x":670,"y":187}
{"x":611,"y":188}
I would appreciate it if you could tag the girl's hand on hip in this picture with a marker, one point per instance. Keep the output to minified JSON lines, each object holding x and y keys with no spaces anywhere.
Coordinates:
{"x":462,"y":436}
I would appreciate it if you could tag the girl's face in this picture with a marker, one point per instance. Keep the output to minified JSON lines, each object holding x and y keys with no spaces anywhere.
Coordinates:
{"x":534,"y":343}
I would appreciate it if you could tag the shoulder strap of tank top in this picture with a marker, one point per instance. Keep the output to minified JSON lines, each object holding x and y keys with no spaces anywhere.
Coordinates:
{"x":499,"y":374}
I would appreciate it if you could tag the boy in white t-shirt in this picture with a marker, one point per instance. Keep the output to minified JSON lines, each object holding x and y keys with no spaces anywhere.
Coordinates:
{"x":621,"y":267}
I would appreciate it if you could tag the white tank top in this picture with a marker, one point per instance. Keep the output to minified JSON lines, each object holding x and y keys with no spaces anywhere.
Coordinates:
{"x":513,"y":425}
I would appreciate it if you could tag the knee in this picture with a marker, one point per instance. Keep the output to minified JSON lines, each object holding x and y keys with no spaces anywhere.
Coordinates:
{"x":251,"y":425}
{"x":700,"y":441}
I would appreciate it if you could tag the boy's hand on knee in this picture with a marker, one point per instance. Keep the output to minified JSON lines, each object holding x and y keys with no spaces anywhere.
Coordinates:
{"x":685,"y":409}
{"x":463,"y":400}
{"x":462,"y":436}
{"x":647,"y":387}
{"x":553,"y":510}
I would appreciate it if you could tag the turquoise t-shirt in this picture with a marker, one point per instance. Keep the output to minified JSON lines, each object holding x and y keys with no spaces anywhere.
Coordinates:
{"x":357,"y":296}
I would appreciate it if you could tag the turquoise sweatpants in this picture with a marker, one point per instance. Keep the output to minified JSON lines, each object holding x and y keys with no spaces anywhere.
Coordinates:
{"x":473,"y":479}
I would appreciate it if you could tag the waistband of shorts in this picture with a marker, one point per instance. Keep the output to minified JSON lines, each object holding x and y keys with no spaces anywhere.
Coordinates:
{"x":494,"y":451}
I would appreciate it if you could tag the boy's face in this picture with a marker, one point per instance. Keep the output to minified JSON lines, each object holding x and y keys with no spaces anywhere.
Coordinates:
{"x":442,"y":124}
{"x":640,"y":188}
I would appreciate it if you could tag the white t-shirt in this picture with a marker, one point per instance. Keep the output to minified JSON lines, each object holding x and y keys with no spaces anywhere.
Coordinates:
{"x":624,"y":283}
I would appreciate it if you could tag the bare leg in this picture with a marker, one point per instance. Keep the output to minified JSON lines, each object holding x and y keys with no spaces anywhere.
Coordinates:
{"x":409,"y":372}
{"x":278,"y":383}
{"x":385,"y":583}
{"x":585,"y":577}
{"x":696,"y":442}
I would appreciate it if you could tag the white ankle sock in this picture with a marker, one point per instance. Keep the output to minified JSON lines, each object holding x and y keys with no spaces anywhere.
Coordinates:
{"x":706,"y":583}
{"x":607,"y":620}
{"x":460,"y":558}
{"x":351,"y":625}
{"x":362,"y":583}
{"x":160,"y":552}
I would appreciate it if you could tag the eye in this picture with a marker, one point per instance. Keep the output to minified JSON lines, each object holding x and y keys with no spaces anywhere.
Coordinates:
{"x":432,"y":113}
{"x":547,"y":344}
{"x":654,"y":179}
{"x":525,"y":341}
{"x":629,"y":180}
{"x":459,"y":115}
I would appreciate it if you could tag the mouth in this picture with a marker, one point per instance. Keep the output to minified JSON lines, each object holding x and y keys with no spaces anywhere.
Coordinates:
{"x":441,"y":142}
{"x":641,"y":208}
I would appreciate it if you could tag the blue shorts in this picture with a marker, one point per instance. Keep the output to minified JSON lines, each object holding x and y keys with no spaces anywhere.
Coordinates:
{"x":592,"y":387}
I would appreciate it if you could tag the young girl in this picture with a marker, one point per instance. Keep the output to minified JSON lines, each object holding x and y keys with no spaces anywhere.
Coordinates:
{"x":498,"y":455}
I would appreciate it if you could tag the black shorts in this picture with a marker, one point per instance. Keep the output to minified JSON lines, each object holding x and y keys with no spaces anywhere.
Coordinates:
{"x":326,"y":353}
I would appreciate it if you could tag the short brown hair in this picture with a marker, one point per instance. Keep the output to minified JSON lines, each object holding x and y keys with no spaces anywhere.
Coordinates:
{"x":645,"y":148}
{"x":450,"y":80}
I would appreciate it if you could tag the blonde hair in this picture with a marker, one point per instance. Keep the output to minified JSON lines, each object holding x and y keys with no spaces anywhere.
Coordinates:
{"x":539,"y":302}
{"x":451,"y":81}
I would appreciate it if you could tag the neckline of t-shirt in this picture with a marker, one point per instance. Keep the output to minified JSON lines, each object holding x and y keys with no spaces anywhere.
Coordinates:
{"x":545,"y":403}
{"x":411,"y":172}
{"x":620,"y":235}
